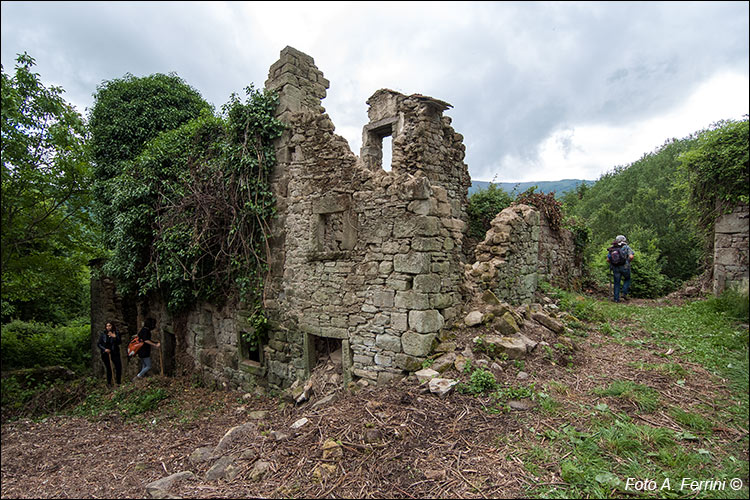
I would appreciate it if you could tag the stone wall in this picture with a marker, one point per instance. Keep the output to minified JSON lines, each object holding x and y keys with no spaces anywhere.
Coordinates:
{"x":731,"y":250}
{"x":558,"y":262}
{"x":107,"y":305}
{"x":518,"y":251}
{"x":508,"y":258}
{"x":366,"y":258}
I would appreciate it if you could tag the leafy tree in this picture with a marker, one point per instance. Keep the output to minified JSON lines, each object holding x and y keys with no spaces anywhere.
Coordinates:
{"x":128,"y":113}
{"x":46,"y":230}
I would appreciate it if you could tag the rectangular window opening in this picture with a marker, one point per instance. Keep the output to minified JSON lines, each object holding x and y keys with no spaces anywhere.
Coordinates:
{"x":387,"y":153}
{"x":251,"y":349}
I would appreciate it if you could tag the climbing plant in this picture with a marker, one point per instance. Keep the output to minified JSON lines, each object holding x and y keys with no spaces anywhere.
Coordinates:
{"x":193,"y":207}
{"x":716,"y":170}
{"x":546,"y":204}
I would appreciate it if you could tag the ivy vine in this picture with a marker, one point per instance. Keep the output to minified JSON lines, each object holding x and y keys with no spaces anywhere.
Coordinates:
{"x":193,"y":208}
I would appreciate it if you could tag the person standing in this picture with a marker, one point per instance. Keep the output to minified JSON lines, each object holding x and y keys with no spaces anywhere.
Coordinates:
{"x":109,"y":345}
{"x":619,"y":256}
{"x":145,"y":352}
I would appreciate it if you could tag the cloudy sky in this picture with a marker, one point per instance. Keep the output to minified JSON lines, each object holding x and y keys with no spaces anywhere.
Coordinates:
{"x":540,"y":91}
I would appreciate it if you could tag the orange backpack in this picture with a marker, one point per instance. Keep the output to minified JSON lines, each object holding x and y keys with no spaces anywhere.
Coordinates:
{"x":135,"y":344}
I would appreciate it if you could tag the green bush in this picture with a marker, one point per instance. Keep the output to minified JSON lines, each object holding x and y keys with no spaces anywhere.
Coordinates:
{"x":483,"y":206}
{"x":481,"y":381}
{"x":28,"y":344}
{"x":733,"y":304}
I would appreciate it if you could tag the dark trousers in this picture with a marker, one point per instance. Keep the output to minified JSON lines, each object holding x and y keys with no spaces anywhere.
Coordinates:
{"x":115,"y":361}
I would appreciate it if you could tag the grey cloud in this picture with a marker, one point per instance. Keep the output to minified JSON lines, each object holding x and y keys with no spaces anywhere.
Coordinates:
{"x":514,"y":72}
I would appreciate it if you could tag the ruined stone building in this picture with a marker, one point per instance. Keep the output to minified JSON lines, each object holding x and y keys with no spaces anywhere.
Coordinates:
{"x":367,"y":258}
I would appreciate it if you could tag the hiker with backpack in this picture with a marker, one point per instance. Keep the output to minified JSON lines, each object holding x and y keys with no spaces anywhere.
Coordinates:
{"x":145,"y":351}
{"x":109,"y":345}
{"x":619,"y":256}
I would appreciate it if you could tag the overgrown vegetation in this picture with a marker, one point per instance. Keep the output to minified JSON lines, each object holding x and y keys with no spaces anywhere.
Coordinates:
{"x":663,"y":203}
{"x":32,"y":344}
{"x":193,"y":207}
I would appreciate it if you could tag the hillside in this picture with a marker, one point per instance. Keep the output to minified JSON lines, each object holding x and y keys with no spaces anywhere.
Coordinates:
{"x":559,"y":187}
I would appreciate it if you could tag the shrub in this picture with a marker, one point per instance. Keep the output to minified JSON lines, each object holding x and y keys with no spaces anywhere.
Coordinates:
{"x":31,"y":344}
{"x":733,"y":304}
{"x":483,"y":206}
{"x":647,"y":278}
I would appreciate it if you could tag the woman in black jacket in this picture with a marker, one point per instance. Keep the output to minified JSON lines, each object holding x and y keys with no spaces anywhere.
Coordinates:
{"x":109,"y":345}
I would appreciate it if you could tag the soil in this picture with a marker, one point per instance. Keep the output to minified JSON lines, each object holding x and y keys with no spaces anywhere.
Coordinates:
{"x":398,"y":441}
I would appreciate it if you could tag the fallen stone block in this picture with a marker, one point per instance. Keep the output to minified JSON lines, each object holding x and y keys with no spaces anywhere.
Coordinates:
{"x":548,"y":322}
{"x":224,"y":468}
{"x":160,"y":487}
{"x":426,"y":374}
{"x":442,"y":386}
{"x":474,"y":318}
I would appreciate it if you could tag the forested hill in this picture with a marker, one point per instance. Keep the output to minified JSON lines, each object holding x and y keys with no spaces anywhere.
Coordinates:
{"x":559,"y":187}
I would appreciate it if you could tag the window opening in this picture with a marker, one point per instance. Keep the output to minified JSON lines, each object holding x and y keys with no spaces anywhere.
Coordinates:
{"x":387,"y":153}
{"x":251,"y":351}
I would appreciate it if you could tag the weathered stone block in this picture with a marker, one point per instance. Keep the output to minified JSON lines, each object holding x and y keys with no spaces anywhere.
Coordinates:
{"x":474,"y":318}
{"x":412,"y":263}
{"x":383,"y":298}
{"x":426,"y":321}
{"x":412,"y":300}
{"x":417,"y":344}
{"x":427,"y":283}
{"x":399,"y":322}
{"x":388,"y":342}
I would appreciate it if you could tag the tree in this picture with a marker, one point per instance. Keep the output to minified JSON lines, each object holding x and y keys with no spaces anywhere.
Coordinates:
{"x":128,"y":113}
{"x":46,"y":231}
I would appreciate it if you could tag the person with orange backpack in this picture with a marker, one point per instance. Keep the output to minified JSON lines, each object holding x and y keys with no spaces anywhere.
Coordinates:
{"x":145,"y":351}
{"x":619,"y":256}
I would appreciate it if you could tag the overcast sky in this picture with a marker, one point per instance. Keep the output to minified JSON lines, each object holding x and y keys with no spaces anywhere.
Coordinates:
{"x":540,"y":91}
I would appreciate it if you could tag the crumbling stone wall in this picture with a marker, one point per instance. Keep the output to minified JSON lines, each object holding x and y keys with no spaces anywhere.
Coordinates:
{"x":558,"y":262}
{"x":731,"y":250}
{"x":369,"y":257}
{"x":518,"y":251}
{"x":364,"y":259}
{"x":507,"y":259}
{"x":108,"y":305}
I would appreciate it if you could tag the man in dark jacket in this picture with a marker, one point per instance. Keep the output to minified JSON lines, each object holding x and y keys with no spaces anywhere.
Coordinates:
{"x":620,"y":265}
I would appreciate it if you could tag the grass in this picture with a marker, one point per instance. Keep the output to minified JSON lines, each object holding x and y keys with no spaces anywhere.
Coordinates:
{"x":645,"y":398}
{"x":129,"y":401}
{"x":612,"y":453}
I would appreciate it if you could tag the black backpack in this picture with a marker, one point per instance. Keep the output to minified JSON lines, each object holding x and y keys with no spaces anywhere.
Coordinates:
{"x":617,"y":256}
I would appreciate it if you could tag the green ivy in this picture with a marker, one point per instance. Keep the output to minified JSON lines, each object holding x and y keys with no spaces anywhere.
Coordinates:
{"x":717,"y":170}
{"x":192,"y":209}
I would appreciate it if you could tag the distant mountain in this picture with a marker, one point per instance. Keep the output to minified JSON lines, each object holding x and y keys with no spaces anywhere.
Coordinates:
{"x":559,"y":187}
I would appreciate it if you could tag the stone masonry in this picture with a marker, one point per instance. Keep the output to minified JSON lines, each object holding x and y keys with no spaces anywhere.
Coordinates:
{"x":520,"y":249}
{"x":368,"y":257}
{"x":731,"y":250}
